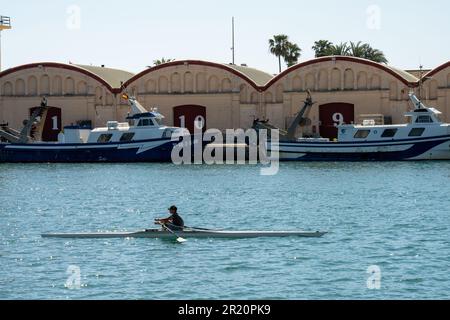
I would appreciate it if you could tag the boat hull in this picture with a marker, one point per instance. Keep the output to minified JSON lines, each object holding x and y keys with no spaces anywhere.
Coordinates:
{"x":436,"y":148}
{"x":159,"y":150}
{"x":158,"y":234}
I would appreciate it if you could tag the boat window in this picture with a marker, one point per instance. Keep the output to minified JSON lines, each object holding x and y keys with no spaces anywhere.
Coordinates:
{"x":159,"y":121}
{"x":168,"y":133}
{"x":362,"y":134}
{"x":389,"y":133}
{"x":424,"y":119}
{"x":145,"y":123}
{"x":417,"y":132}
{"x":104,"y":138}
{"x":126,"y":137}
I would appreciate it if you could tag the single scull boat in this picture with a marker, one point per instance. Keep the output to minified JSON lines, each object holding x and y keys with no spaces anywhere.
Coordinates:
{"x":188,"y":233}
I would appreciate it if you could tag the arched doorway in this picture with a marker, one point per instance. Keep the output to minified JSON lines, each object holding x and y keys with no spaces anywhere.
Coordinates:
{"x":186,"y":116}
{"x":333,"y":114}
{"x":53,"y":124}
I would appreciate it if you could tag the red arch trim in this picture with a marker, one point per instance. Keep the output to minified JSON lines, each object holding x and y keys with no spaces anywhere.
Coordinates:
{"x":62,"y":66}
{"x":340,"y":58}
{"x":196,"y":63}
{"x":437,"y":70}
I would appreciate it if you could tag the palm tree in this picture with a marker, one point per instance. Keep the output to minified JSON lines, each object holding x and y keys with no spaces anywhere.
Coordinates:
{"x":322,"y":48}
{"x":376,"y":55}
{"x":340,"y":49}
{"x":278,"y":46}
{"x":293,"y":53}
{"x":365,"y":51}
{"x":162,"y":61}
{"x":358,"y":49}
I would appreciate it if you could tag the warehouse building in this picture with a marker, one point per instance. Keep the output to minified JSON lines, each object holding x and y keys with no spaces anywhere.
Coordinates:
{"x":345,"y":90}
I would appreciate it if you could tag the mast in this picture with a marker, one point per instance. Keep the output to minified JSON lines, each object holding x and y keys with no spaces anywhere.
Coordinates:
{"x":300,"y":117}
{"x":232,"y":41}
{"x":420,"y":82}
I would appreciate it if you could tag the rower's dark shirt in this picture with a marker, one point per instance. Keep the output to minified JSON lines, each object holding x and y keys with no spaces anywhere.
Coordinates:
{"x":177,"y":220}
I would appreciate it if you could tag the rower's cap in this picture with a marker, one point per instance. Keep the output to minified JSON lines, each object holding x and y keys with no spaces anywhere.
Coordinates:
{"x":173,"y":208}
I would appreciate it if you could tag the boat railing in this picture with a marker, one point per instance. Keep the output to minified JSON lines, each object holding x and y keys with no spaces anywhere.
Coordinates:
{"x":313,"y":140}
{"x":114,"y":125}
{"x":369,"y":123}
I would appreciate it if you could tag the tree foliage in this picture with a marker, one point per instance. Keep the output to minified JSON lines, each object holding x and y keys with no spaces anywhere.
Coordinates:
{"x":282,"y":48}
{"x":323,"y":48}
{"x":162,"y":61}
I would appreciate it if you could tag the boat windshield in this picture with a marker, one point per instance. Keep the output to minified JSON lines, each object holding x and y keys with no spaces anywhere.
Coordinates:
{"x":424,"y":119}
{"x":159,"y":122}
{"x":145,"y":123}
{"x":438,"y":117}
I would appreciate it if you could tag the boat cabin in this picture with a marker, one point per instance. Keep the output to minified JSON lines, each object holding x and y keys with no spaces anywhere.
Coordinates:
{"x":148,"y":119}
{"x":423,"y":122}
{"x":141,"y":125}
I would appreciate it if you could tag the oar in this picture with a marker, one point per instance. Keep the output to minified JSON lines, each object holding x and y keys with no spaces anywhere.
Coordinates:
{"x":179,"y":239}
{"x":199,"y":229}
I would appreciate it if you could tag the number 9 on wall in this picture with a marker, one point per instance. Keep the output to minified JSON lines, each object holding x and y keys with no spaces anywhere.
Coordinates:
{"x":338,"y":119}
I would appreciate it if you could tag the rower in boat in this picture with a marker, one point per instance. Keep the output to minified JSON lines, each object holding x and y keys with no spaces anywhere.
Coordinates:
{"x":174,"y":222}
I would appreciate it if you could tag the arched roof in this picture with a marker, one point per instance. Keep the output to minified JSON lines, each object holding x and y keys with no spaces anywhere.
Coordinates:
{"x":258,"y":76}
{"x":110,"y":78}
{"x":254,"y":77}
{"x":113,"y":79}
{"x":437,"y":70}
{"x":403,"y":76}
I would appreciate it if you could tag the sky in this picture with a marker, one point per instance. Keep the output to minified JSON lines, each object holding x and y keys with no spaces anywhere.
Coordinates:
{"x":131,"y":34}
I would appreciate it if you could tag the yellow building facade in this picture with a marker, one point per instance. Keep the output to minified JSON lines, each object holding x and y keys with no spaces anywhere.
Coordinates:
{"x":344,"y":89}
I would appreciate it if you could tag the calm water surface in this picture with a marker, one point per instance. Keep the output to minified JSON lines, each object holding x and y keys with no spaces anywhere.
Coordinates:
{"x":392,"y":215}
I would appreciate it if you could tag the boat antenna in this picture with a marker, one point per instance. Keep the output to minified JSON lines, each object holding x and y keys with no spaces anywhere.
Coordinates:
{"x":420,"y":82}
